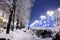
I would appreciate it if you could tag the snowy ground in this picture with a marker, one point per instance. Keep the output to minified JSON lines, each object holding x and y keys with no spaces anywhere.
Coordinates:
{"x":55,"y":28}
{"x":21,"y":35}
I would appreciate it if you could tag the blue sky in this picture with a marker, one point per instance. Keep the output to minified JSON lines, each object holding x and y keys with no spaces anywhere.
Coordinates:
{"x":40,"y":7}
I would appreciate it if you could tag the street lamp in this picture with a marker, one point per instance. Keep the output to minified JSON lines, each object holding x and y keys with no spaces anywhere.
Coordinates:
{"x":36,"y":21}
{"x":58,"y":9}
{"x":43,"y":17}
{"x":50,"y":13}
{"x":4,"y":20}
{"x":49,"y":16}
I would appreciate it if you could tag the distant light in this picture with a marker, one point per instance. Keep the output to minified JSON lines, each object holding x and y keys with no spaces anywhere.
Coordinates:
{"x":15,"y":23}
{"x":50,"y":13}
{"x":36,"y":21}
{"x":4,"y":20}
{"x":58,"y":9}
{"x":44,"y":21}
{"x":43,"y":17}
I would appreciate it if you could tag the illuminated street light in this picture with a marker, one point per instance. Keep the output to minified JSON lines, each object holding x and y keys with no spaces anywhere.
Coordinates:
{"x":58,"y":9}
{"x":4,"y":20}
{"x":15,"y":23}
{"x":36,"y":21}
{"x":43,"y":17}
{"x":50,"y":13}
{"x":32,"y":24}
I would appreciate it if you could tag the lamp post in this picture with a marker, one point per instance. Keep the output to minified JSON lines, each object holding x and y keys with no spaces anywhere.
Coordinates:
{"x":43,"y":18}
{"x":50,"y":15}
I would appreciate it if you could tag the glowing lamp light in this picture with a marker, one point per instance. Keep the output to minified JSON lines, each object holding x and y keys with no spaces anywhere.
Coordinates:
{"x":44,"y":21}
{"x":58,"y":9}
{"x":31,"y":24}
{"x":50,"y":13}
{"x":43,"y":17}
{"x":15,"y":23}
{"x":4,"y":20}
{"x":36,"y":21}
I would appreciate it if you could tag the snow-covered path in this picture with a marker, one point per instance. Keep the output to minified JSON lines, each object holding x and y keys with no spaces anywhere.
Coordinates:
{"x":21,"y":35}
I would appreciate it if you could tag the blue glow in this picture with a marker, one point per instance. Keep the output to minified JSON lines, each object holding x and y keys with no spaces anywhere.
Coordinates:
{"x":46,"y":23}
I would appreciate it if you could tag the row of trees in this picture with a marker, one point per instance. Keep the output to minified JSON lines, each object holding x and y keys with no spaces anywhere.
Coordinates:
{"x":19,"y":12}
{"x":12,"y":9}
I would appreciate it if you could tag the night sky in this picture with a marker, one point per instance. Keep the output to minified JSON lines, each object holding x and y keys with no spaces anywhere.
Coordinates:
{"x":40,"y":7}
